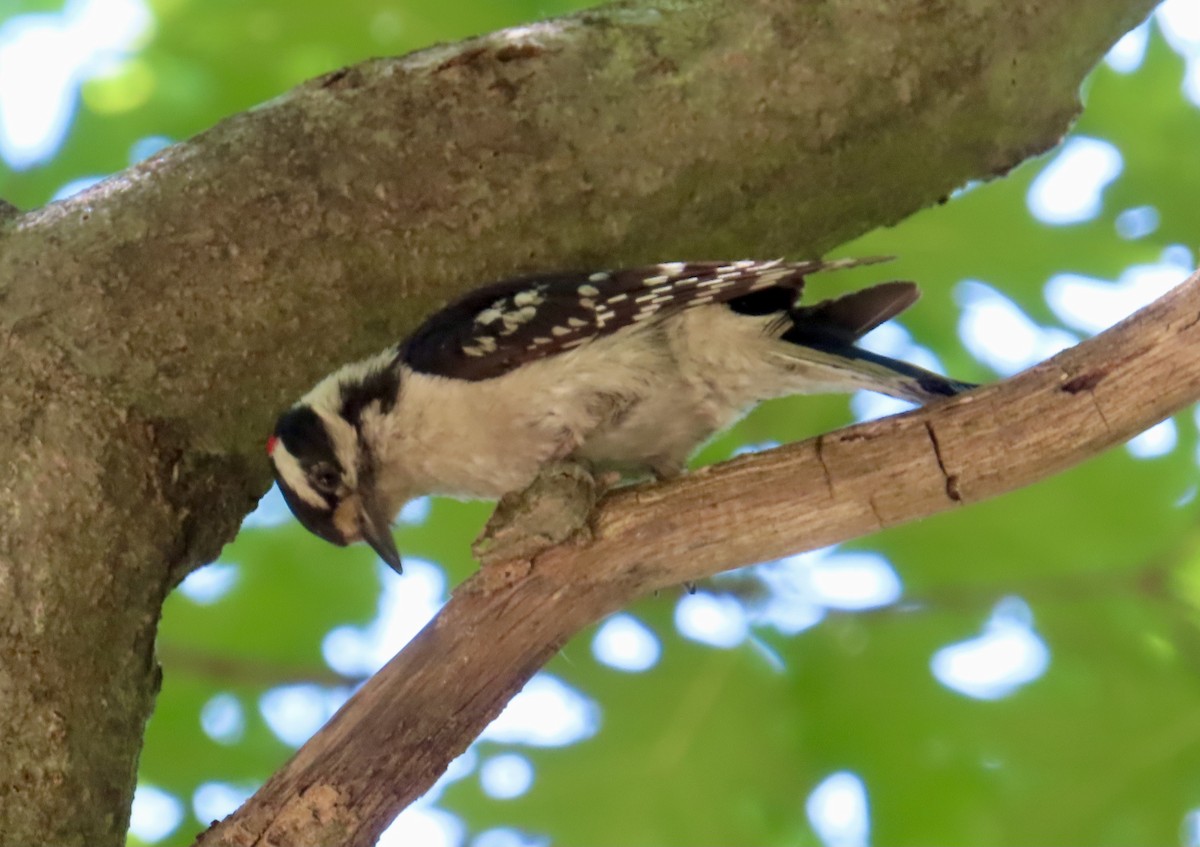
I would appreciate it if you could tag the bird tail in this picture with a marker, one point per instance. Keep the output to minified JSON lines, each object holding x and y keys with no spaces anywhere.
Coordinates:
{"x":821,"y":342}
{"x":848,"y":368}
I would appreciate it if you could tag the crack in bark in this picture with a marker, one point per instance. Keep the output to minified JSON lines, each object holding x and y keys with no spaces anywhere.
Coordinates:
{"x":819,"y":449}
{"x":1100,"y":412}
{"x":875,"y":511}
{"x":952,"y":490}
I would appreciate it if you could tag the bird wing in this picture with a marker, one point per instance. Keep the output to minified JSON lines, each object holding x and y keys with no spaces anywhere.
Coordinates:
{"x":499,"y":327}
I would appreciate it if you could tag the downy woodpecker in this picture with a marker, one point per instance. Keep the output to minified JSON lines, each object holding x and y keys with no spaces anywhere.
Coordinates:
{"x":628,"y":370}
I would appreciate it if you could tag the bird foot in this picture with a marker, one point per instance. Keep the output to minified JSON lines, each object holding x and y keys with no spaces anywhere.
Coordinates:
{"x":554,"y":509}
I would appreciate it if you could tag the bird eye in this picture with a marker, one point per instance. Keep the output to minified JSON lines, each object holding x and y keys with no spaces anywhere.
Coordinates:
{"x":325,"y":478}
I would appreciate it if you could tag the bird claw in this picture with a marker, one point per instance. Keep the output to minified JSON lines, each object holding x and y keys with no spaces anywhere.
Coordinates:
{"x":554,"y":509}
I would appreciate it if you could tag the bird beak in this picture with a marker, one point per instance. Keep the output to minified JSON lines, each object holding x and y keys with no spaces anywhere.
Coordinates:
{"x":377,"y":531}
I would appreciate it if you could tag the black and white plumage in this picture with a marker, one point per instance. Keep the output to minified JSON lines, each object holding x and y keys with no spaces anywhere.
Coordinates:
{"x":630,"y":370}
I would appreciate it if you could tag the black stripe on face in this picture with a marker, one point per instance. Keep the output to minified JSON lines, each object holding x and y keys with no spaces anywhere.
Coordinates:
{"x":303,"y":434}
{"x":381,"y":385}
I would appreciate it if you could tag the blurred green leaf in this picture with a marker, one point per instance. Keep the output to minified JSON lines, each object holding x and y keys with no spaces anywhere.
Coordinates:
{"x":288,"y":579}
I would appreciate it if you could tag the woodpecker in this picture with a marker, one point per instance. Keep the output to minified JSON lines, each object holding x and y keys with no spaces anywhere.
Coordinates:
{"x":626,"y":370}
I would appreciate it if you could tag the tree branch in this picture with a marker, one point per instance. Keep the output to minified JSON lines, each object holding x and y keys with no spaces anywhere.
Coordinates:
{"x":155,"y":323}
{"x":396,"y":736}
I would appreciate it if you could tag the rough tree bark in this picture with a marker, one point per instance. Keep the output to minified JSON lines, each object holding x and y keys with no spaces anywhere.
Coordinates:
{"x":152,"y":325}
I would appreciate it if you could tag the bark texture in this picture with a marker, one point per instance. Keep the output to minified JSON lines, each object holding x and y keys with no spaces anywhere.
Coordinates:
{"x":153,"y":325}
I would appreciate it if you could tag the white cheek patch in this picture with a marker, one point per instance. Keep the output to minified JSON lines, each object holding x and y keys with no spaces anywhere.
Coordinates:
{"x":293,"y":476}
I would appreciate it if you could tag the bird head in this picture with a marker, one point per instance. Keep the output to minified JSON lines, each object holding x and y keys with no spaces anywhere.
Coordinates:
{"x":326,"y":468}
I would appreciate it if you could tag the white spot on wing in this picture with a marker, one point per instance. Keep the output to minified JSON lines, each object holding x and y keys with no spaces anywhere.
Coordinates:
{"x":588,"y":291}
{"x":652,"y":281}
{"x":599,"y":276}
{"x":672,"y":268}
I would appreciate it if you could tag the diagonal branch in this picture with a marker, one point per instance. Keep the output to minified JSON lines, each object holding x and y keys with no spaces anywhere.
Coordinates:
{"x":393,"y":739}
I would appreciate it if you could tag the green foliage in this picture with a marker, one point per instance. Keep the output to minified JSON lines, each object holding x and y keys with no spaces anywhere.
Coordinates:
{"x":716,"y":746}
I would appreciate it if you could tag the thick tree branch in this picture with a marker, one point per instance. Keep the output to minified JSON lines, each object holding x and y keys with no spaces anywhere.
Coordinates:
{"x":396,"y":736}
{"x":154,"y":324}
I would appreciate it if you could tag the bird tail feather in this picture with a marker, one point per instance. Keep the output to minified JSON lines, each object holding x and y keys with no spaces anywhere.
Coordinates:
{"x":848,"y":368}
{"x":820,"y":340}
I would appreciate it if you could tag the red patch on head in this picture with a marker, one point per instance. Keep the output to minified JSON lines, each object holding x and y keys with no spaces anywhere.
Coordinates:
{"x":271,"y":442}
